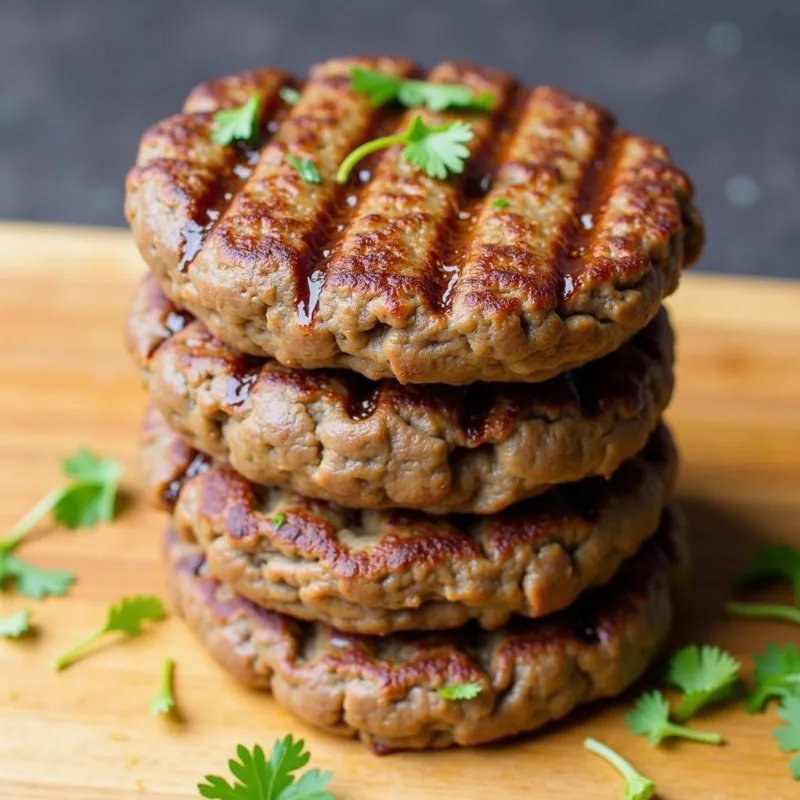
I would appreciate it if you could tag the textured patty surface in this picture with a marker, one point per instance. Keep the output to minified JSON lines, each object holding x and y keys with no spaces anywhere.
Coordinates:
{"x":376,"y":572}
{"x":333,"y":435}
{"x":397,"y":274}
{"x":385,"y":690}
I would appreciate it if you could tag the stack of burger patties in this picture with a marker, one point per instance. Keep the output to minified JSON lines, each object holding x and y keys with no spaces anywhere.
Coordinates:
{"x":408,"y":425}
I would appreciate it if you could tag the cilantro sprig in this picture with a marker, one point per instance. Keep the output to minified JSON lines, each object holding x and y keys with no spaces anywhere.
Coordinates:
{"x":777,"y":675}
{"x":650,"y":718}
{"x":259,"y":779}
{"x":237,"y":124}
{"x":88,"y":498}
{"x":305,"y":167}
{"x":437,"y":150}
{"x":127,"y":616}
{"x":771,"y":561}
{"x":460,"y":691}
{"x":15,"y":625}
{"x":776,"y":611}
{"x":164,"y":701}
{"x":637,"y":787}
{"x":704,"y":674}
{"x":774,"y":561}
{"x":789,"y":736}
{"x":382,"y":88}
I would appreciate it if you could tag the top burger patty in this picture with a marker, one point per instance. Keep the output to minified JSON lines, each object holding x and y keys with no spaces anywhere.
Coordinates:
{"x":397,"y":274}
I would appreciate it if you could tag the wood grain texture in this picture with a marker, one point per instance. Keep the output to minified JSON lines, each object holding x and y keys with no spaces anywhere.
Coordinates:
{"x":65,"y":380}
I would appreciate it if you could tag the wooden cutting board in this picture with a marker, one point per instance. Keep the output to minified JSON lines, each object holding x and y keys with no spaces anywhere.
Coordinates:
{"x":85,"y":734}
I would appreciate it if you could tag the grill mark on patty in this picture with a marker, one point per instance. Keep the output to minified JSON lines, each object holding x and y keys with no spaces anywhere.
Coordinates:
{"x":235,"y":162}
{"x":513,"y":256}
{"x":310,"y":272}
{"x":592,"y":190}
{"x":394,"y":240}
{"x":326,"y":123}
{"x":476,"y":184}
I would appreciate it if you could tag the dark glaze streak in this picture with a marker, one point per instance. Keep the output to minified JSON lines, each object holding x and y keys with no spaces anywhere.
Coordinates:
{"x":307,"y":301}
{"x":244,"y":374}
{"x":478,"y":403}
{"x":193,"y":236}
{"x":197,"y":465}
{"x":362,"y":397}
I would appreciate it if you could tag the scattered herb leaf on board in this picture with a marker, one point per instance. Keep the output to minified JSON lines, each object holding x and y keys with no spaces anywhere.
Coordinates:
{"x":127,"y":616}
{"x":704,"y":674}
{"x":259,"y":779}
{"x":650,"y":718}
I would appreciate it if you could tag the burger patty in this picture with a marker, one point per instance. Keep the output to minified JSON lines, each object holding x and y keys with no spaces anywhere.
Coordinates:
{"x":556,"y":244}
{"x":376,"y":572}
{"x":333,"y":435}
{"x":386,"y":690}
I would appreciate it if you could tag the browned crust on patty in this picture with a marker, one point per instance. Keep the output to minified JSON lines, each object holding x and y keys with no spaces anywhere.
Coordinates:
{"x":400,"y":275}
{"x":377,"y":572}
{"x":385,"y":690}
{"x":333,"y":435}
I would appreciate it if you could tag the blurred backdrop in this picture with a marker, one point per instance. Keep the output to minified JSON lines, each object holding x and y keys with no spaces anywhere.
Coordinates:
{"x":718,"y":81}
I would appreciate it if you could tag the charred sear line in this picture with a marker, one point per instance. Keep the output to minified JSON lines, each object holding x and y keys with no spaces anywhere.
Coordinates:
{"x":236,"y":172}
{"x":310,"y":272}
{"x":455,"y":237}
{"x":592,"y":192}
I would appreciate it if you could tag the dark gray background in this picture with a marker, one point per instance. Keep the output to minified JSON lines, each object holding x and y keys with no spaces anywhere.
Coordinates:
{"x":716,"y":80}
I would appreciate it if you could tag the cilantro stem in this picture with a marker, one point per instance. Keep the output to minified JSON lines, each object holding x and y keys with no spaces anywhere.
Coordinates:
{"x":39,"y":511}
{"x":615,"y":759}
{"x":166,"y":677}
{"x":637,"y":785}
{"x":764,"y":611}
{"x":345,"y":168}
{"x":705,"y":737}
{"x":77,"y":652}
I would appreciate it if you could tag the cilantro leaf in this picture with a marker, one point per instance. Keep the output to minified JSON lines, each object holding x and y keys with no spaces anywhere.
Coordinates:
{"x":306,"y":167}
{"x":382,"y":88}
{"x":436,"y":150}
{"x":775,"y":561}
{"x":500,"y":202}
{"x":237,"y":124}
{"x":94,"y":493}
{"x":278,"y":521}
{"x":33,"y":581}
{"x":88,"y":499}
{"x":126,"y":617}
{"x":704,"y":674}
{"x":164,"y":701}
{"x":15,"y":625}
{"x":789,"y":736}
{"x":637,"y":787}
{"x":259,"y":779}
{"x":777,"y":674}
{"x":289,"y":95}
{"x":650,"y":718}
{"x":460,"y":691}
{"x":764,"y":611}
